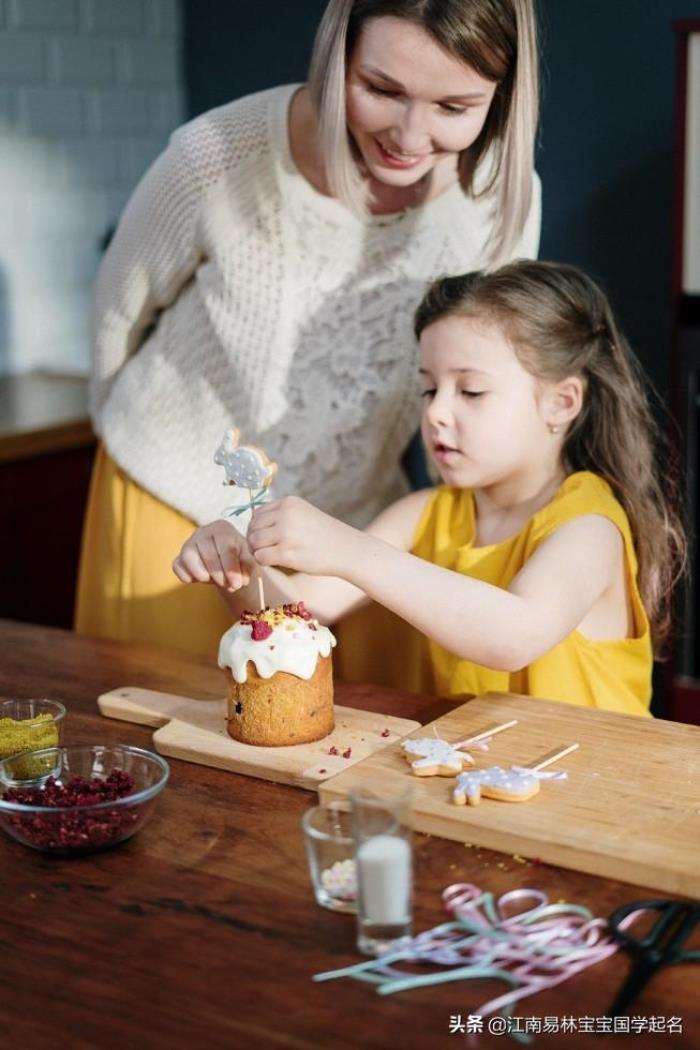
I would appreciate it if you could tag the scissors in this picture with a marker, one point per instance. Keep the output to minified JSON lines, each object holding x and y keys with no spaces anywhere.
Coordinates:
{"x":662,"y":946}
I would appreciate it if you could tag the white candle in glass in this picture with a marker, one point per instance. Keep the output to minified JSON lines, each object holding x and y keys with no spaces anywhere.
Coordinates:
{"x":384,"y":875}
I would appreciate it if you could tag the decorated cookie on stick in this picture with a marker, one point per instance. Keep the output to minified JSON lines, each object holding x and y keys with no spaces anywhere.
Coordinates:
{"x":247,"y":467}
{"x":433,"y":757}
{"x":517,"y":784}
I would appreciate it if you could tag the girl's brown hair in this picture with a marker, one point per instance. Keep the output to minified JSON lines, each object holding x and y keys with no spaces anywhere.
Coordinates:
{"x":498,"y":39}
{"x":560,"y":324}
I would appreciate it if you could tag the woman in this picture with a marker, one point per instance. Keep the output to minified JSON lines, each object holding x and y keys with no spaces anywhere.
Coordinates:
{"x":265,"y":273}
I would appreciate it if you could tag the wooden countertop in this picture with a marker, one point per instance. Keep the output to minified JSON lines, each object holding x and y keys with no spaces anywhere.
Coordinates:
{"x":202,"y":929}
{"x":42,"y":412}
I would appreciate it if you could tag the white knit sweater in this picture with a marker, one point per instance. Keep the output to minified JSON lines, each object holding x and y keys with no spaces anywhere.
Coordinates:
{"x":234,"y":293}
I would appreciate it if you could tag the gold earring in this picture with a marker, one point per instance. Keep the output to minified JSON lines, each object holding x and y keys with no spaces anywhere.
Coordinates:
{"x":552,"y":428}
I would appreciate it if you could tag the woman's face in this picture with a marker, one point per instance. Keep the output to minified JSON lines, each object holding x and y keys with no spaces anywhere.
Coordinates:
{"x":411,"y":106}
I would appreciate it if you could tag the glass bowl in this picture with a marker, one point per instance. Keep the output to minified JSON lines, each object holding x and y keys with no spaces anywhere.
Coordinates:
{"x":79,"y":829}
{"x":29,"y":725}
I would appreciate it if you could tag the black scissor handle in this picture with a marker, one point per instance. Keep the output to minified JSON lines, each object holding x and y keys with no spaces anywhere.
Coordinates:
{"x":664,"y":941}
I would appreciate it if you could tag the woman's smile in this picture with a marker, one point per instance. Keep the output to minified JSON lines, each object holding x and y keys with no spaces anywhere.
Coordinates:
{"x":396,"y":159}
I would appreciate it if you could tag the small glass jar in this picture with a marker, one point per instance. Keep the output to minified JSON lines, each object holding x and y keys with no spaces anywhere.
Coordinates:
{"x":29,"y":725}
{"x":330,"y":848}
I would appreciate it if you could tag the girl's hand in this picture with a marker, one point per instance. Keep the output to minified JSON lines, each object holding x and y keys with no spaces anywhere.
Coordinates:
{"x":215,"y":553}
{"x":292,"y":533}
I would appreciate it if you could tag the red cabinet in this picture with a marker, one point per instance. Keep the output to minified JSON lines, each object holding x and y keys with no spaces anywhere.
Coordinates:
{"x":46,"y":453}
{"x":684,"y":674}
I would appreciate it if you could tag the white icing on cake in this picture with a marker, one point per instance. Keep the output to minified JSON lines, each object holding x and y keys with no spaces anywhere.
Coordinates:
{"x":293,"y":646}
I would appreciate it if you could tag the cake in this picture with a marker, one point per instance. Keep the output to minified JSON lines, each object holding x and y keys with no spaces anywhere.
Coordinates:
{"x":280,"y":673}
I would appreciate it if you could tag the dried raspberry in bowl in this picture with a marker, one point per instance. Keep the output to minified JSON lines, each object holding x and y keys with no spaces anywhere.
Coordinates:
{"x":88,"y":798}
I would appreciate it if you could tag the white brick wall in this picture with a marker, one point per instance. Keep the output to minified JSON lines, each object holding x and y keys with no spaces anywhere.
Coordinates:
{"x":114,"y":16}
{"x":81,"y":60}
{"x":89,"y":92}
{"x":42,"y":14}
{"x":21,"y":58}
{"x":6,"y":111}
{"x":50,"y":112}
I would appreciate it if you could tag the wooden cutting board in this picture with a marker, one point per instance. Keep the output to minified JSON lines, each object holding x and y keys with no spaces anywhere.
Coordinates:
{"x":195,"y":730}
{"x":629,"y":810}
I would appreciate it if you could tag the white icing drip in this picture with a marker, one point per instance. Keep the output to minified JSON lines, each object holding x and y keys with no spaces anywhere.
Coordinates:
{"x":511,"y":780}
{"x":294,"y":646}
{"x":432,"y":751}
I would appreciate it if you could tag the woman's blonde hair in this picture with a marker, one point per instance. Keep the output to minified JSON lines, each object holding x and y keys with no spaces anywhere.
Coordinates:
{"x":498,"y":39}
{"x":560,"y":324}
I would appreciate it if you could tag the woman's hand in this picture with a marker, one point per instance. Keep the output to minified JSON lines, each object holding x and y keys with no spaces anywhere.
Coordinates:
{"x":215,"y":553}
{"x":292,"y":533}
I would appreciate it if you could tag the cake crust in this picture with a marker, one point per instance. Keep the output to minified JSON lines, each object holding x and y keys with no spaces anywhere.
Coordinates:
{"x":282,"y":710}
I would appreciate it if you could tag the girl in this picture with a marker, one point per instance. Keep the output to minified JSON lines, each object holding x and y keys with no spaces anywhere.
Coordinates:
{"x":540,"y":563}
{"x":264,"y":274}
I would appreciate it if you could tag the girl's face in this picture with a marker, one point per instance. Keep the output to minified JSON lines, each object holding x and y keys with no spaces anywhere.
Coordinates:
{"x":411,"y":106}
{"x":484,"y":416}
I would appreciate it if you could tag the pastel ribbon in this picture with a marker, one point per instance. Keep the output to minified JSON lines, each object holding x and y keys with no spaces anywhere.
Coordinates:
{"x":258,"y":499}
{"x":560,"y":775}
{"x":531,"y":949}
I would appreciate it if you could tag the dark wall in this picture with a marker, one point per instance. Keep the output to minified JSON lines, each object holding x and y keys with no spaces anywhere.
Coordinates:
{"x":606,"y":155}
{"x":234,"y":47}
{"x":606,"y":142}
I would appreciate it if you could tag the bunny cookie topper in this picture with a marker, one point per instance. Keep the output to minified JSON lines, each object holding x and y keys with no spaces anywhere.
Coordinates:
{"x":431,"y":757}
{"x":435,"y":757}
{"x":517,"y":784}
{"x":246,"y":467}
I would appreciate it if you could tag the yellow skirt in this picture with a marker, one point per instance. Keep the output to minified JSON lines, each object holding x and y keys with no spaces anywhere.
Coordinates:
{"x":127,"y":590}
{"x":126,"y":586}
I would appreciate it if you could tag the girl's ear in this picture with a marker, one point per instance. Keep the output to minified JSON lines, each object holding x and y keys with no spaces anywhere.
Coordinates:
{"x":565,"y":402}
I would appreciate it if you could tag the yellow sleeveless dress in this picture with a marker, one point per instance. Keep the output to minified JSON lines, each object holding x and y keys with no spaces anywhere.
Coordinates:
{"x":610,"y":675}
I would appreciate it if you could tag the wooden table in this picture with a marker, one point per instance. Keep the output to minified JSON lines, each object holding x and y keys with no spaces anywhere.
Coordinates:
{"x":201,"y":931}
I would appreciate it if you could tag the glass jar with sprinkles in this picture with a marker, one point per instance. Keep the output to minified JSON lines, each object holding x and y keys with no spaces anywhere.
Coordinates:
{"x":29,"y":725}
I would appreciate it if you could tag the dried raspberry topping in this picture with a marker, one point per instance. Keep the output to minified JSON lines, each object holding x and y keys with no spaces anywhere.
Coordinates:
{"x":75,"y":792}
{"x":81,"y":828}
{"x":333,"y":750}
{"x":277,"y":615}
{"x":261,"y":631}
{"x":348,"y":753}
{"x":296,"y":609}
{"x":386,"y":733}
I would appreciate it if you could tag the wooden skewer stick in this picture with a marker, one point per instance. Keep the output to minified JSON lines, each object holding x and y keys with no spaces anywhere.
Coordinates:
{"x":486,"y":733}
{"x":261,"y":593}
{"x":554,"y":757}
